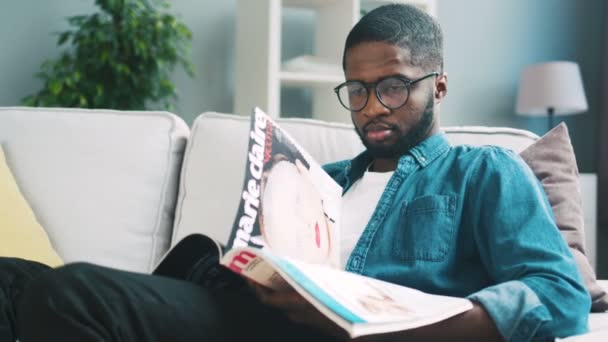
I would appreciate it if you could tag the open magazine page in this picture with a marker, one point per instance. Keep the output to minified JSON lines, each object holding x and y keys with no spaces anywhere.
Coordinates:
{"x":373,"y":305}
{"x":360,"y":305}
{"x":289,"y":205}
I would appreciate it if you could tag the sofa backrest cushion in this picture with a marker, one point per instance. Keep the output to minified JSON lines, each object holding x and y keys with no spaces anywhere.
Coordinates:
{"x":102,"y":183}
{"x":214,"y":163}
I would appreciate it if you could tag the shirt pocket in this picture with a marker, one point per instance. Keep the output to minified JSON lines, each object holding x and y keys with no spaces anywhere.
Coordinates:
{"x":425,"y":230}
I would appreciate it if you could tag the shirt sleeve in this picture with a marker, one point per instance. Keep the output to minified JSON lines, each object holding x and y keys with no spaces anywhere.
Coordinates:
{"x":539,"y":292}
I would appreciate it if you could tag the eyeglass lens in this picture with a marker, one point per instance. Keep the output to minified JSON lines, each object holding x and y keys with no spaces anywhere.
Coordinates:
{"x":392,"y":92}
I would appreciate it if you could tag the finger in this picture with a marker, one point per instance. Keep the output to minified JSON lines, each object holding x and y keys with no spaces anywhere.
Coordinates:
{"x":260,"y":291}
{"x":284,"y":300}
{"x":280,"y":284}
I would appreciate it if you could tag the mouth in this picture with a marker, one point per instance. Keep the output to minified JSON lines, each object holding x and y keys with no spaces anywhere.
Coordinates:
{"x":377,"y":132}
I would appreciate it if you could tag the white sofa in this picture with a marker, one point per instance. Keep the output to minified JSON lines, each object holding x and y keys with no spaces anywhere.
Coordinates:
{"x":116,"y":188}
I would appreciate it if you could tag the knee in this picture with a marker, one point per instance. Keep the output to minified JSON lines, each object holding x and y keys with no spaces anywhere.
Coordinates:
{"x":53,"y":301}
{"x":15,"y":275}
{"x":54,"y":292}
{"x":10,"y":266}
{"x":12,"y":269}
{"x":58,"y":282}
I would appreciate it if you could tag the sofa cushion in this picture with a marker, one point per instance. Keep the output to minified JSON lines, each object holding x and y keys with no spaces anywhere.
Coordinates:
{"x":20,"y":234}
{"x":552,"y":160}
{"x":103,"y":183}
{"x":511,"y":138}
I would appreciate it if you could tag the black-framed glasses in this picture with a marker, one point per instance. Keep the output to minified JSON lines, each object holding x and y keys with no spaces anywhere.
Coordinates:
{"x":392,"y":91}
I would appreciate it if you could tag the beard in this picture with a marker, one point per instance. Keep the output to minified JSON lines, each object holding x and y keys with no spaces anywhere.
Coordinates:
{"x":405,"y":141}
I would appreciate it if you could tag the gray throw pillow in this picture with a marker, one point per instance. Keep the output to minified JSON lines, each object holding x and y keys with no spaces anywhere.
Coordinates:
{"x":552,"y":160}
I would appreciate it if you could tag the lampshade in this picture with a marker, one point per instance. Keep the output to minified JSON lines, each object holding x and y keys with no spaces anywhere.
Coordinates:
{"x":552,"y":85}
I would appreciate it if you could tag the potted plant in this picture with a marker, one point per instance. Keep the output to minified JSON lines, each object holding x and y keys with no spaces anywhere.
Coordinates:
{"x":121,"y":57}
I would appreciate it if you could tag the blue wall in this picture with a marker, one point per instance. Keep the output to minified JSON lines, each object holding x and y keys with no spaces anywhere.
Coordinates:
{"x":26,"y":40}
{"x":488,"y":42}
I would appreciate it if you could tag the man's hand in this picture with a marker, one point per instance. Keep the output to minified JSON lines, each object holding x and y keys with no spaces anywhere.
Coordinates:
{"x":297,"y":309}
{"x":474,"y":324}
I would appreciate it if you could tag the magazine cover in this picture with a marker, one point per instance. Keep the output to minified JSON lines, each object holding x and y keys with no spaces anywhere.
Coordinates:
{"x":289,"y":205}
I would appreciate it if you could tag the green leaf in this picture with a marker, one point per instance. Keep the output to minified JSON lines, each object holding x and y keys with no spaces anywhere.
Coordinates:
{"x":55,"y":87}
{"x":104,"y":56}
{"x":77,"y":20}
{"x":63,"y":37}
{"x":82,"y":101}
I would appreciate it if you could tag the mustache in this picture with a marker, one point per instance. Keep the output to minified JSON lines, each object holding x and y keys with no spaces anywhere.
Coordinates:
{"x":378,"y":124}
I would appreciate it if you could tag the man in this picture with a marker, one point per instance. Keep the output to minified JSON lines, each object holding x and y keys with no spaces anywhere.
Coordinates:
{"x":460,"y":221}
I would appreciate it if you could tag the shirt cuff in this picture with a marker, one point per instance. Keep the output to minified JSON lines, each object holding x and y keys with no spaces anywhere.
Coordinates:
{"x":515,"y":309}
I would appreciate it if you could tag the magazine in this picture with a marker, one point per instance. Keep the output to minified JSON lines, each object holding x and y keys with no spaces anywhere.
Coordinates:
{"x":287,"y":233}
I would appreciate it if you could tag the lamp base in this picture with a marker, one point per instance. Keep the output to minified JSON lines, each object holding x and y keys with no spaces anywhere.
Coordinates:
{"x":550,"y":115}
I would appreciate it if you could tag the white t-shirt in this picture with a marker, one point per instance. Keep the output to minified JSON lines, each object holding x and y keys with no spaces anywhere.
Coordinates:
{"x":358,"y":205}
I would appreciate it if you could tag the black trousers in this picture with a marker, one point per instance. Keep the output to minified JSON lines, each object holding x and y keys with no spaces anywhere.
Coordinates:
{"x":14,"y":275}
{"x":83,"y":302}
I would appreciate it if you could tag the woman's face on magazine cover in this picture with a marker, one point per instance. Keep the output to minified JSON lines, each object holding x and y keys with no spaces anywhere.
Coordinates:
{"x":293,"y":222}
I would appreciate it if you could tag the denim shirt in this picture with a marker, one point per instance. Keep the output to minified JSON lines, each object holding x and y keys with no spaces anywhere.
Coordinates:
{"x":472,"y":222}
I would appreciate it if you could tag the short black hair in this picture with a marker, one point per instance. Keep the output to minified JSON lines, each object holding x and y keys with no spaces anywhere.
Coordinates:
{"x":405,"y":26}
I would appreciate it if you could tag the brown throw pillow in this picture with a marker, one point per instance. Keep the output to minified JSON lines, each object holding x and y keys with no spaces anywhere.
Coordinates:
{"x":552,"y":160}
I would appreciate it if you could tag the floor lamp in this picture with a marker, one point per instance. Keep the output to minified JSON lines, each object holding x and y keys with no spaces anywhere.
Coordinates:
{"x":551,"y":88}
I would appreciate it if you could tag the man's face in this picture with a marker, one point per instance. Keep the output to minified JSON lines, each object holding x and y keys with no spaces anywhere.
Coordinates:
{"x":390,"y":133}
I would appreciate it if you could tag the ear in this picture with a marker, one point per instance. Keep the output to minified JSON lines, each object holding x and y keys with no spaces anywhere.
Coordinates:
{"x":441,"y":87}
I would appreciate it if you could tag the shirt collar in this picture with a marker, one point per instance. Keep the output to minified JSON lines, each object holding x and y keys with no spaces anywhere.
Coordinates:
{"x":424,"y":153}
{"x":430,"y":149}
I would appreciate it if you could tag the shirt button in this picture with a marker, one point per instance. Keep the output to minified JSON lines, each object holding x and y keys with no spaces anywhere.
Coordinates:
{"x":356,"y":261}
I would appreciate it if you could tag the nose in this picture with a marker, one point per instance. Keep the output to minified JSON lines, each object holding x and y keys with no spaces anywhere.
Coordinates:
{"x":374,"y":107}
